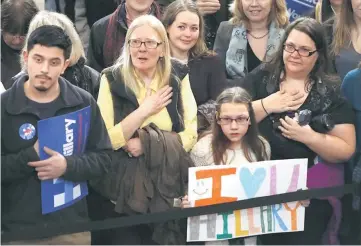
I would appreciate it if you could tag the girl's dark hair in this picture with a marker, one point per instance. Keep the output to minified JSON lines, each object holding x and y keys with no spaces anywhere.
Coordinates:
{"x":251,"y":141}
{"x":16,"y":16}
{"x":322,"y":67}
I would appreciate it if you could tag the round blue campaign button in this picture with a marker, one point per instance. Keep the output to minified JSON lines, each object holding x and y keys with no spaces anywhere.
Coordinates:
{"x":27,"y":131}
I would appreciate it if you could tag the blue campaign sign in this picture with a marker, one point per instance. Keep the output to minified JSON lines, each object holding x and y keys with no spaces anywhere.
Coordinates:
{"x":297,"y":8}
{"x":66,"y":134}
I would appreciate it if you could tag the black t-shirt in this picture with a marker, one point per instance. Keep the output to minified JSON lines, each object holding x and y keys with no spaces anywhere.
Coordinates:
{"x":47,"y":110}
{"x":324,"y":99}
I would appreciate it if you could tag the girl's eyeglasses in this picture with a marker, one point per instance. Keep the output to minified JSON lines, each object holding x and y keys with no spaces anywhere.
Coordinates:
{"x":242,"y":120}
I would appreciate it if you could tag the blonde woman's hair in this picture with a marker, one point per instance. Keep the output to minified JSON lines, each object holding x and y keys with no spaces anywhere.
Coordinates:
{"x":124,"y":65}
{"x":278,"y":13}
{"x":170,"y":14}
{"x":318,"y":11}
{"x":56,"y":19}
{"x":343,"y":27}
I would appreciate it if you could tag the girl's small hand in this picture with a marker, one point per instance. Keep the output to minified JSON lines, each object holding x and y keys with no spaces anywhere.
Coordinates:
{"x":305,"y":203}
{"x":185,"y":203}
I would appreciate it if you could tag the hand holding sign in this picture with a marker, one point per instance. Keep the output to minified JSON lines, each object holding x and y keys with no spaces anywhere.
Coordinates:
{"x":185,"y":202}
{"x":51,"y":168}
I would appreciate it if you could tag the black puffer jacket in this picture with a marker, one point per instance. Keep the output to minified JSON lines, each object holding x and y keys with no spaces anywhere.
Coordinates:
{"x":84,"y":77}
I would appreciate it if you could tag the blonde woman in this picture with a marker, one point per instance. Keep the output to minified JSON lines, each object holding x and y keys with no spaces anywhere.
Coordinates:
{"x":77,"y":73}
{"x":145,"y":86}
{"x":251,"y":36}
{"x":346,"y":43}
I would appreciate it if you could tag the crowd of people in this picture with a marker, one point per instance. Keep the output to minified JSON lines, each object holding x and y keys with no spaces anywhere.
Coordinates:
{"x":174,"y":84}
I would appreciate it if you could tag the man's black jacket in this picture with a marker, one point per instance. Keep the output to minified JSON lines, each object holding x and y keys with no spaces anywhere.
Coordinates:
{"x":20,"y":186}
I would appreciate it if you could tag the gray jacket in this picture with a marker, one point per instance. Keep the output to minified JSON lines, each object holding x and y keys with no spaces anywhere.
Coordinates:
{"x":221,"y":44}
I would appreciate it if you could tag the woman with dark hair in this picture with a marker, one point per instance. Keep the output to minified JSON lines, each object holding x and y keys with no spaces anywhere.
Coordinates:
{"x":15,"y":20}
{"x":302,"y":114}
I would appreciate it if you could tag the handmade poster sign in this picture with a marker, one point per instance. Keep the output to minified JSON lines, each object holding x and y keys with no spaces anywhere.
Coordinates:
{"x":219,"y":184}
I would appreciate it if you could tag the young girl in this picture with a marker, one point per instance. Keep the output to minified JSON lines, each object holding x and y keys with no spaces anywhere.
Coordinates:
{"x":234,"y":139}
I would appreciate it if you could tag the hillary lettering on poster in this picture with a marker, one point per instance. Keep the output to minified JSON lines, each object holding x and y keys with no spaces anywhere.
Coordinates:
{"x":220,"y":184}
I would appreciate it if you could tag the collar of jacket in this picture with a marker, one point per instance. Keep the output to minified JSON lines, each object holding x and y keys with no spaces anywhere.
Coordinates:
{"x":16,"y":93}
{"x":118,"y":87}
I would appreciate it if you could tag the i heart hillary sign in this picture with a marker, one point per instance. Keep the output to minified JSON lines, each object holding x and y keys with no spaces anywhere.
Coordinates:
{"x":219,"y":184}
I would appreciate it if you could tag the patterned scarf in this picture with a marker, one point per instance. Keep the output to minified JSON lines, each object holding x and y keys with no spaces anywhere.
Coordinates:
{"x":236,"y":59}
{"x":116,"y":31}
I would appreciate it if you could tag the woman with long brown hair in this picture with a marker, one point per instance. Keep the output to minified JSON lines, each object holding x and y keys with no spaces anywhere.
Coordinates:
{"x":185,"y":28}
{"x":346,"y":43}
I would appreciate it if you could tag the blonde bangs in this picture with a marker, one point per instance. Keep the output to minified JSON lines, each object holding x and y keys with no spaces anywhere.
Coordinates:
{"x":124,"y":64}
